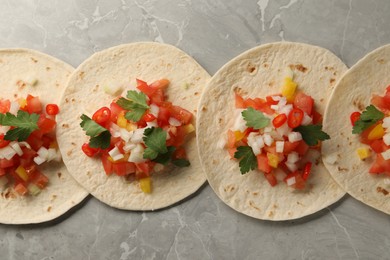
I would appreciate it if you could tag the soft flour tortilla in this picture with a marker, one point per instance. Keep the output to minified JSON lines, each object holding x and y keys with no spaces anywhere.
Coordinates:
{"x":19,"y":68}
{"x":260,"y":72}
{"x":371,"y":75}
{"x":120,"y":66}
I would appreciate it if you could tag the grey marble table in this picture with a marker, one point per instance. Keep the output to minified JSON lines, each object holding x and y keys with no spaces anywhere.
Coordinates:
{"x":213,"y":32}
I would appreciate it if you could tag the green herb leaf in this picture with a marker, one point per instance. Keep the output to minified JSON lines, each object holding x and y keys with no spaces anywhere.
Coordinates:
{"x":255,"y":118}
{"x":136,"y":104}
{"x":23,"y":122}
{"x":311,"y":134}
{"x":155,"y":139}
{"x":369,"y":117}
{"x":164,"y":158}
{"x":181,"y":162}
{"x":248,"y":160}
{"x":100,"y":136}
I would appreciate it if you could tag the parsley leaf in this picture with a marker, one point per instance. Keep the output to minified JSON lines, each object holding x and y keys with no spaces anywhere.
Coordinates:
{"x":164,"y":158}
{"x":311,"y":134}
{"x":248,"y":160}
{"x":23,"y":122}
{"x":255,"y":118}
{"x":368,"y":118}
{"x":155,"y":141}
{"x":181,"y":162}
{"x":100,"y":136}
{"x":135,"y":103}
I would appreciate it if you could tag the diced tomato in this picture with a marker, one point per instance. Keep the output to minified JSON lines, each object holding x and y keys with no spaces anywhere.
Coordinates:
{"x":289,"y":147}
{"x":46,"y":141}
{"x":21,"y":189}
{"x":163,"y":116}
{"x":179,"y":153}
{"x":364,"y":135}
{"x":262,"y":163}
{"x":39,"y":179}
{"x":231,"y":152}
{"x":354,"y":117}
{"x":5,"y":104}
{"x":145,"y":88}
{"x":239,"y":101}
{"x":123,"y":168}
{"x":115,"y":111}
{"x":148,"y":117}
{"x":120,"y":144}
{"x":102,"y":116}
{"x":141,"y":123}
{"x":380,"y":103}
{"x":158,"y":97}
{"x":271,"y":179}
{"x":380,"y":165}
{"x":271,"y":101}
{"x":181,"y":114}
{"x":306,"y":171}
{"x":52,"y":109}
{"x":302,"y":148}
{"x":46,"y":125}
{"x":35,"y":140}
{"x":33,"y":104}
{"x":28,"y":154}
{"x":178,"y":139}
{"x":279,"y":120}
{"x":304,"y":102}
{"x":3,"y":143}
{"x":270,"y":149}
{"x":379,"y":146}
{"x":88,"y":150}
{"x":295,"y":118}
{"x":160,"y":84}
{"x":107,"y":164}
{"x":231,"y":141}
{"x":5,"y":163}
{"x":143,"y":169}
{"x":299,"y":181}
{"x":317,"y":117}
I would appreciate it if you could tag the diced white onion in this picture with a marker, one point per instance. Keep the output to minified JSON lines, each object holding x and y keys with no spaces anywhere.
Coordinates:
{"x":51,"y":154}
{"x":307,"y":120}
{"x":240,"y":123}
{"x":285,"y":109}
{"x":4,"y":129}
{"x":283,"y":130}
{"x":276,"y":98}
{"x":115,"y":130}
{"x":14,"y":107}
{"x":386,"y":122}
{"x":136,"y":155}
{"x":7,"y":152}
{"x":292,"y":157}
{"x":25,"y":144}
{"x":154,"y":109}
{"x":39,"y":160}
{"x":267,"y":129}
{"x":152,"y":124}
{"x":291,"y":166}
{"x":174,"y":122}
{"x":386,"y":139}
{"x":275,"y":107}
{"x":280,"y":175}
{"x":291,"y":181}
{"x":386,"y":154}
{"x":312,"y":155}
{"x":260,"y":141}
{"x":386,"y":181}
{"x":43,"y":152}
{"x":268,"y":140}
{"x":158,"y":167}
{"x":330,"y":158}
{"x":252,"y":142}
{"x":137,"y":136}
{"x":125,"y":135}
{"x":16,"y":147}
{"x":115,"y":153}
{"x":221,"y":143}
{"x":129,"y":146}
{"x":282,"y":102}
{"x":117,"y":157}
{"x":279,"y":146}
{"x":294,"y":137}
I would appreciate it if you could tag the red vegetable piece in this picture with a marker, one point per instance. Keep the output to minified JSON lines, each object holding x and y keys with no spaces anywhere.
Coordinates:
{"x":295,"y":118}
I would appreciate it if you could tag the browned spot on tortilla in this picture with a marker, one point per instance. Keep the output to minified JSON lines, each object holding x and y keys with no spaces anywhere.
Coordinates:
{"x":69,"y":153}
{"x":270,"y":214}
{"x":220,"y":120}
{"x":7,"y":194}
{"x":89,"y":173}
{"x":65,"y":126}
{"x":329,"y":68}
{"x":321,"y":100}
{"x":381,"y":61}
{"x":298,"y":67}
{"x":169,"y":65}
{"x":53,"y":197}
{"x":72,"y":143}
{"x":15,"y":95}
{"x":335,"y":73}
{"x":298,"y":203}
{"x":338,"y":146}
{"x":59,"y":174}
{"x":48,"y":68}
{"x":359,"y":104}
{"x":341,"y":133}
{"x":250,"y":68}
{"x":21,"y":84}
{"x":350,"y":143}
{"x":204,"y":108}
{"x":81,"y":74}
{"x":73,"y":100}
{"x":271,"y":84}
{"x":196,"y":93}
{"x":382,"y":190}
{"x":57,"y":85}
{"x":49,"y":209}
{"x":289,"y":213}
{"x":66,"y":100}
{"x":229,"y":188}
{"x":342,"y":169}
{"x":215,"y":161}
{"x":361,"y":190}
{"x":255,"y":193}
{"x":265,"y":65}
{"x":95,"y":88}
{"x":275,"y":206}
{"x":195,"y":110}
{"x":34,"y":60}
{"x":253,"y":205}
{"x":332,"y":80}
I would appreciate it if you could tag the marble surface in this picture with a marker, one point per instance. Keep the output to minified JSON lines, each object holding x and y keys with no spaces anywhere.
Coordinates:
{"x":213,"y":32}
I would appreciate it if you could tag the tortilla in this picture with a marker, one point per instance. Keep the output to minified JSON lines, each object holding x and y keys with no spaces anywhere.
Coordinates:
{"x":19,"y":69}
{"x":259,"y":72}
{"x":371,"y":75}
{"x":120,"y":66}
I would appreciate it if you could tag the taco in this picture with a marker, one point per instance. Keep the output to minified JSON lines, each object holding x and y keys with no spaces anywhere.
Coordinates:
{"x":358,"y":154}
{"x":138,"y":97}
{"x":250,"y":119}
{"x":35,"y":184}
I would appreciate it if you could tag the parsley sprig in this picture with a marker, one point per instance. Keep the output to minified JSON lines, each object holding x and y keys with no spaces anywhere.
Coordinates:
{"x":248,"y":160}
{"x":24,"y":124}
{"x":255,"y":118}
{"x":136,"y":103}
{"x":312,"y":134}
{"x":100,"y":136}
{"x":368,"y":118}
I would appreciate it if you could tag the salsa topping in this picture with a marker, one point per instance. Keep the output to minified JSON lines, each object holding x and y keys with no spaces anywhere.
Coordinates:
{"x":27,"y":140}
{"x":373,"y":127}
{"x":139,"y":134}
{"x":282,"y":131}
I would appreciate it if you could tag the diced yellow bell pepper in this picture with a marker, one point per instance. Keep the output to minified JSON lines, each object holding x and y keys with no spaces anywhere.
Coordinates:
{"x":288,"y":89}
{"x":188,"y":128}
{"x":239,"y":135}
{"x":376,"y":133}
{"x":22,"y":173}
{"x":146,"y":185}
{"x":131,"y":126}
{"x":363,"y":153}
{"x":22,"y":102}
{"x":121,"y":121}
{"x":273,"y":160}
